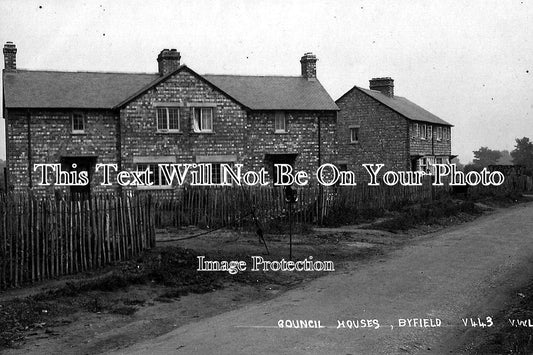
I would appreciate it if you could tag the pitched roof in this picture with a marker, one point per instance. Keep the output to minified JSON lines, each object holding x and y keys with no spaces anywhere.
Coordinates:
{"x":56,"y":89}
{"x":275,"y":92}
{"x":160,"y":79}
{"x":404,"y":107}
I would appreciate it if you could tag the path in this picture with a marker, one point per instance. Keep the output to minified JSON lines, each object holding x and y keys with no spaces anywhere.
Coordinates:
{"x":466,"y":271}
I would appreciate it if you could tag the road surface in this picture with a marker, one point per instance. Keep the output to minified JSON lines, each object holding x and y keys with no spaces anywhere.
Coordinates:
{"x":467,"y":271}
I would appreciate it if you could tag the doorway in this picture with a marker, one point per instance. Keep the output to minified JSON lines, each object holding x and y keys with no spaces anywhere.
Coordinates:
{"x":272,"y":159}
{"x":82,"y":163}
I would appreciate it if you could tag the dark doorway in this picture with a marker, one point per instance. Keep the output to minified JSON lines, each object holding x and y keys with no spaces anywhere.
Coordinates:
{"x":272,"y":159}
{"x":78,"y":164}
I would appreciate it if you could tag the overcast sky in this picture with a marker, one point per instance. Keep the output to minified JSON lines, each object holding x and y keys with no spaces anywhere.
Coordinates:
{"x":469,"y":63}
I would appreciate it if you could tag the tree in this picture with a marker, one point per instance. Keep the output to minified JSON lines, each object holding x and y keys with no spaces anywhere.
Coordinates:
{"x":457,"y":163}
{"x":505,"y":158}
{"x":523,"y":153}
{"x":485,"y":157}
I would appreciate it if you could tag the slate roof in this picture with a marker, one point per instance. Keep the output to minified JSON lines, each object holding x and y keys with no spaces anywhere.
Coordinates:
{"x":55,"y":89}
{"x":275,"y":92}
{"x":405,"y":107}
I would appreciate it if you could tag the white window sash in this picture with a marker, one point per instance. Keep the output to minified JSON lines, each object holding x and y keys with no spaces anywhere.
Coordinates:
{"x":280,"y":124}
{"x":76,"y":119}
{"x":163,"y":119}
{"x":203,"y":119}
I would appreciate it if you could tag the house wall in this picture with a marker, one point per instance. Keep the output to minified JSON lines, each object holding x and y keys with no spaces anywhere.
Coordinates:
{"x":246,"y":136}
{"x":383,"y":134}
{"x":419,"y":146}
{"x":140,"y":138}
{"x":302,"y":137}
{"x":52,"y":138}
{"x":130,"y":136}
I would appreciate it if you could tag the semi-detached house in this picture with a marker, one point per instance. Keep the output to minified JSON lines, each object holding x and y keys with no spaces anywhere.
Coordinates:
{"x":175,"y":115}
{"x":375,"y":126}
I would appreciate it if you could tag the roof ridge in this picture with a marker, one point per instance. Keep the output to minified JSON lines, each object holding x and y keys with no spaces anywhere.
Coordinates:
{"x":80,"y":71}
{"x":256,"y":76}
{"x":389,"y":101}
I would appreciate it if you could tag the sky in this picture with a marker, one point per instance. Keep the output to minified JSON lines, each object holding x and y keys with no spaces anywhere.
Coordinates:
{"x":470,"y":63}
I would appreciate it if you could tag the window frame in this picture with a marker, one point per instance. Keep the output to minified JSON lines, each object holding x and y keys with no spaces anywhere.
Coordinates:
{"x":216,"y":170}
{"x":423,"y":131}
{"x":414,"y":129}
{"x":429,"y":132}
{"x":439,"y":133}
{"x":216,"y":162}
{"x":196,"y":126}
{"x":84,"y":121}
{"x":357,"y":129}
{"x":282,"y":116}
{"x":167,"y":119}
{"x":423,"y":164}
{"x":156,"y":173}
{"x":154,"y":160}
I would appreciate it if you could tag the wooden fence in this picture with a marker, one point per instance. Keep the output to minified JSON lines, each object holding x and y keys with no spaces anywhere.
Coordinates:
{"x":43,"y":238}
{"x":211,"y":207}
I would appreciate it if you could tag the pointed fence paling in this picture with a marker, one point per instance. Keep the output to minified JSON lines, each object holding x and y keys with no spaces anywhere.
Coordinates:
{"x":212,"y":207}
{"x":43,"y":237}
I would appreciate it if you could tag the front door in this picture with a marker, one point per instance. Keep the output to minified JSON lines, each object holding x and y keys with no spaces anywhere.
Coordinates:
{"x":82,"y":163}
{"x":273,"y":159}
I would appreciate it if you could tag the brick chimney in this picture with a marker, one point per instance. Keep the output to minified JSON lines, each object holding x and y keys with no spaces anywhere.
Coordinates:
{"x":385,"y":85}
{"x":168,"y":60}
{"x":10,"y":56}
{"x":308,"y":62}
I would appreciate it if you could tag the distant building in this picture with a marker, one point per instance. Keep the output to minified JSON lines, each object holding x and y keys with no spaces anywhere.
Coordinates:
{"x":375,"y":126}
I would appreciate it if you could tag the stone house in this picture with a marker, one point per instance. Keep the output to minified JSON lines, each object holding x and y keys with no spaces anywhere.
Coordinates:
{"x":176,"y":115}
{"x":377,"y":127}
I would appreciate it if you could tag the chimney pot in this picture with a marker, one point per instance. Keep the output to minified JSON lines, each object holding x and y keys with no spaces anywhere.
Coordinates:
{"x":385,"y":85}
{"x":168,"y":61}
{"x":308,"y":63}
{"x":10,"y":56}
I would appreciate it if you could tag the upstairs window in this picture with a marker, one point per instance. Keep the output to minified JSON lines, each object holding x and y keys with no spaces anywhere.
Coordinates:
{"x":203,"y":119}
{"x":414,"y":130}
{"x":354,"y":134}
{"x":78,"y":123}
{"x":168,"y":119}
{"x":439,"y":133}
{"x":423,"y":133}
{"x":280,"y":122}
{"x":429,"y":132}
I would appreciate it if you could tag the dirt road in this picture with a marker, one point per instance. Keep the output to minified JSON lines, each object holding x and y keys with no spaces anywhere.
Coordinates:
{"x":468,"y":271}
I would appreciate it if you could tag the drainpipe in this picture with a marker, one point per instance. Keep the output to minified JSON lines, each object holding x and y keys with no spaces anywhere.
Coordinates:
{"x":28,"y":120}
{"x":432,"y":142}
{"x":320,"y":187}
{"x":319,"y":143}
